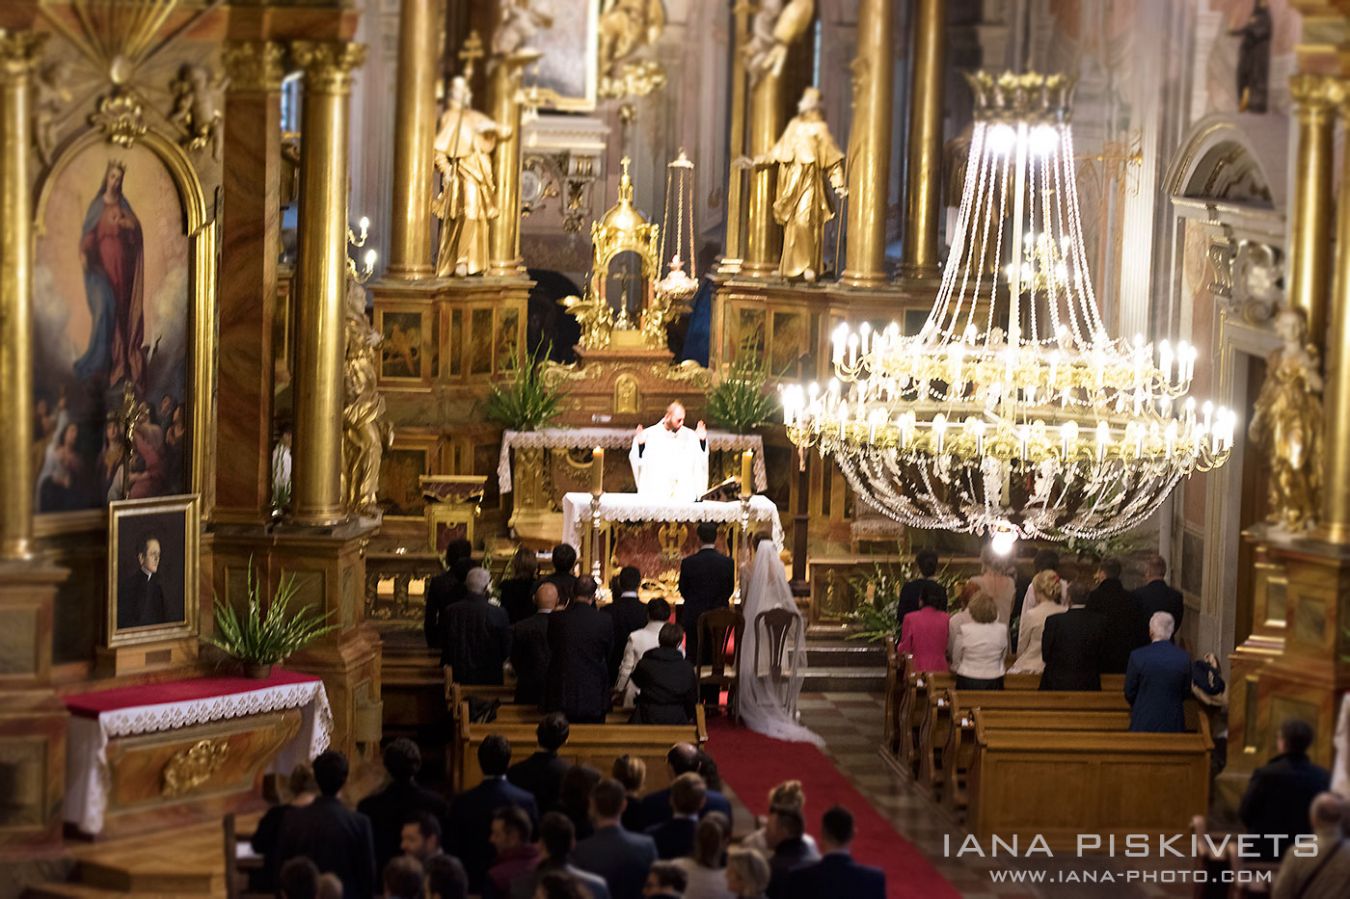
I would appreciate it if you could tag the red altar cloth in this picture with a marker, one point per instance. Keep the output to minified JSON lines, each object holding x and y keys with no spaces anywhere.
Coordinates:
{"x":91,"y":705}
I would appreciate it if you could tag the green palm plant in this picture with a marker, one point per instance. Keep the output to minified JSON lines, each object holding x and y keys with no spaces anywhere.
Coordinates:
{"x":739,"y":402}
{"x":524,"y":401}
{"x":875,"y":621}
{"x":263,"y":637}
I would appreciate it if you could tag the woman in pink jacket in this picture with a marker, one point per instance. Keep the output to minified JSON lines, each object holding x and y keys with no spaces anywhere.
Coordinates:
{"x":923,"y":634}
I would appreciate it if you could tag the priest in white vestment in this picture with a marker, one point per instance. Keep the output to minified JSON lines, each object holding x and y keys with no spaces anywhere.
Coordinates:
{"x":670,"y":462}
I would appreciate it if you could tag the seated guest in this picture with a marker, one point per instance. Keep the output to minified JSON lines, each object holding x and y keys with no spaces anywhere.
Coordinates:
{"x":631,"y":771}
{"x":472,"y":811}
{"x":626,"y":613}
{"x":574,"y":798}
{"x":683,"y":758}
{"x":302,"y":790}
{"x":511,"y":829}
{"x":557,"y":840}
{"x":403,"y":878}
{"x":529,"y":647}
{"x":611,"y":852}
{"x":837,"y":873}
{"x":331,"y":835}
{"x":446,"y":588}
{"x":1326,"y":874}
{"x":541,"y":774}
{"x":422,"y":838}
{"x":912,"y":593}
{"x":748,"y":873}
{"x":1123,"y":630}
{"x":783,"y":832}
{"x":1157,"y":596}
{"x":788,"y":794}
{"x":924,"y":633}
{"x":401,"y":798}
{"x":580,"y":640}
{"x":477,"y":634}
{"x":517,"y":591}
{"x":446,"y":878}
{"x":993,"y":581}
{"x":1279,"y":794}
{"x":1158,"y":681}
{"x":666,"y":683}
{"x":639,"y":643}
{"x":981,"y":647}
{"x":675,"y":837}
{"x":298,"y":879}
{"x":1071,"y":646}
{"x":704,"y":865}
{"x":1047,"y":588}
{"x":564,"y":560}
{"x":666,"y":880}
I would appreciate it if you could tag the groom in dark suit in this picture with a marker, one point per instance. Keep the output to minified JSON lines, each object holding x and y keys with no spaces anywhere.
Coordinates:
{"x":140,"y":596}
{"x":707,"y":580}
{"x":580,"y":640}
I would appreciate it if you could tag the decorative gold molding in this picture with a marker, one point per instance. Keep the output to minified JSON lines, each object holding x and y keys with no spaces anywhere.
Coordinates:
{"x":328,"y":65}
{"x":19,"y":50}
{"x":189,"y":768}
{"x":120,"y":118}
{"x":1315,"y":95}
{"x":254,"y":65}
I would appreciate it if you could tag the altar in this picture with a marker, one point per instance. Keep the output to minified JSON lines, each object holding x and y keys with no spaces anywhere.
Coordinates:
{"x":655,"y":535}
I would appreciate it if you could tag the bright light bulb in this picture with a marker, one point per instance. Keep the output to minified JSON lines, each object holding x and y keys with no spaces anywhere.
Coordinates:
{"x":1003,"y":540}
{"x":1044,"y":139}
{"x":1002,"y":139}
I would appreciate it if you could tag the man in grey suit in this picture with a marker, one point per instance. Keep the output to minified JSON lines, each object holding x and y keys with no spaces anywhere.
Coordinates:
{"x":620,"y":857}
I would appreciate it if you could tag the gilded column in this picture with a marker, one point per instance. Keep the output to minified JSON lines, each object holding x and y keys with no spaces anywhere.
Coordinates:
{"x":18,"y":52}
{"x":1335,"y":523}
{"x":415,"y":121}
{"x":764,"y":236}
{"x":504,"y":108}
{"x":321,"y":279}
{"x":734,"y":244}
{"x":923,"y":182}
{"x":869,"y":151}
{"x":1314,"y":99}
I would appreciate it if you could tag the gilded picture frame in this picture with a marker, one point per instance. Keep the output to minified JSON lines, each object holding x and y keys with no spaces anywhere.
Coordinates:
{"x":567,"y":75}
{"x":153,"y":576}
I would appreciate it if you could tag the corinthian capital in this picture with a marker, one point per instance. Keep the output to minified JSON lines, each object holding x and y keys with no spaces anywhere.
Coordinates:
{"x":328,"y":65}
{"x":19,"y":50}
{"x":254,"y":65}
{"x":1315,"y":95}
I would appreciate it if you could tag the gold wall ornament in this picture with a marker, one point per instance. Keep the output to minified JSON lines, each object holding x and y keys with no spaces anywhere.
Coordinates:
{"x":366,"y":430}
{"x":194,"y":108}
{"x":189,"y":768}
{"x":596,"y":318}
{"x":467,"y":203}
{"x":626,"y":26}
{"x":807,"y":159}
{"x":120,"y":118}
{"x":776,"y":26}
{"x":1287,"y":425}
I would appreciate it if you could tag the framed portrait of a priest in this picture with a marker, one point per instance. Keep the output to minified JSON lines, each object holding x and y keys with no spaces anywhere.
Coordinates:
{"x":152,"y":569}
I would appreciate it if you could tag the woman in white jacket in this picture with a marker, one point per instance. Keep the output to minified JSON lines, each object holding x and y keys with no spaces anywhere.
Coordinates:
{"x":1048,"y":589}
{"x":981,"y":648}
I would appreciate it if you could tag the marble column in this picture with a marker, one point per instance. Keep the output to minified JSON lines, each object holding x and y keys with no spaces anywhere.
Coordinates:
{"x":250,"y":235}
{"x":321,"y":279}
{"x":415,"y":124}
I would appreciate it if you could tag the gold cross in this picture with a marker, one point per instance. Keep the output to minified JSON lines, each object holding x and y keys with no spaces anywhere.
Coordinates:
{"x":471,"y":53}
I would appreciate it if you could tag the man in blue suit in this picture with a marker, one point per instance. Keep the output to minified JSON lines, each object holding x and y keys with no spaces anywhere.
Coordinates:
{"x":836,"y":874}
{"x":471,"y":811}
{"x":620,"y":857}
{"x":1158,"y":680}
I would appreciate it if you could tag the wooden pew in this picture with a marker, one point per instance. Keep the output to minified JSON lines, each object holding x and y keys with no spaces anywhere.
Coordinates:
{"x":1061,"y":783}
{"x":594,"y":744}
{"x":895,"y":679}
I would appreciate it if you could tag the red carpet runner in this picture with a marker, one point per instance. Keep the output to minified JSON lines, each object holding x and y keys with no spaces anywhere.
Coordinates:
{"x":752,"y":764}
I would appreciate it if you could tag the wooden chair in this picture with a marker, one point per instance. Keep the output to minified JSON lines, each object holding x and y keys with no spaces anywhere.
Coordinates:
{"x":715,"y":630}
{"x":774,"y":628}
{"x":237,"y":869}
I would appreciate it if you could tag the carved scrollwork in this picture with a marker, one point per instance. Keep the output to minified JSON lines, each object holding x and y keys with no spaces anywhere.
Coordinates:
{"x":189,"y":768}
{"x":120,"y":118}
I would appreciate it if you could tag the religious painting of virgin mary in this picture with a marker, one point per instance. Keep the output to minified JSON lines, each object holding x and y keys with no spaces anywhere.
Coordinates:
{"x":112,"y":316}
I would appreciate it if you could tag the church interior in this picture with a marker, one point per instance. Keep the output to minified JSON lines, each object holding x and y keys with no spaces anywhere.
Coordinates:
{"x":589,"y":448}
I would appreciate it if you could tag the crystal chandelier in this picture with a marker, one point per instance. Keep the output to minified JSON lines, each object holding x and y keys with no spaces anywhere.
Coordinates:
{"x":1012,"y":411}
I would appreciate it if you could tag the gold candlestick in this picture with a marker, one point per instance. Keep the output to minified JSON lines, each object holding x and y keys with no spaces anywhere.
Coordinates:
{"x":747,"y":469}
{"x":597,"y":471}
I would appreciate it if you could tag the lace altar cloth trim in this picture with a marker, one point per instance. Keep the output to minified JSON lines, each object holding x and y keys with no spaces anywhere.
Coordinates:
{"x":612,"y":439}
{"x":87,"y":776}
{"x":634,"y":507}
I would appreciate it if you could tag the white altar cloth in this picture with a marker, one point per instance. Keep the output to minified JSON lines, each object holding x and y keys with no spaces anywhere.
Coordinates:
{"x":87,"y":778}
{"x":617,"y":439}
{"x":634,"y":507}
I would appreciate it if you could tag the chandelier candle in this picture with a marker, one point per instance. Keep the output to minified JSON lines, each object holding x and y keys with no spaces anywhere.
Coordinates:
{"x":1013,"y":410}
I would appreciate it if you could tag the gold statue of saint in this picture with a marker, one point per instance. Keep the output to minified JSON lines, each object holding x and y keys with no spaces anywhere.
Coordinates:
{"x":806,"y":155}
{"x":468,"y":198}
{"x":1287,"y":425}
{"x":366,"y":431}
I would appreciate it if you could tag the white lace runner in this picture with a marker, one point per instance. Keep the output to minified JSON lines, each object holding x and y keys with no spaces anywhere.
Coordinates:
{"x":616,"y":439}
{"x":633,"y":507}
{"x":87,"y":778}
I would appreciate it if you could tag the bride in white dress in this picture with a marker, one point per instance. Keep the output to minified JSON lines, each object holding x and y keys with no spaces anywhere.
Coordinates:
{"x":765,"y":705}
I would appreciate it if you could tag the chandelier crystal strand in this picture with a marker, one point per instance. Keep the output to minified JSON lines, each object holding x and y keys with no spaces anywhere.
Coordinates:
{"x":1040,"y":424}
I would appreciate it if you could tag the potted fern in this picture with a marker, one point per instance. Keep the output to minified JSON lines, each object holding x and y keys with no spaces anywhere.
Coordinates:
{"x":524,"y":401}
{"x":261,"y":638}
{"x":739,"y":402}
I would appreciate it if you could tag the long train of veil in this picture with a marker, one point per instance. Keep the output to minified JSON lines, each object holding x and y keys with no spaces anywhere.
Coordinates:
{"x":764,"y":705}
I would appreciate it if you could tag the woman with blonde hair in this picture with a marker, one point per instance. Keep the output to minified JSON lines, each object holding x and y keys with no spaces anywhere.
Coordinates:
{"x":631,"y":771}
{"x":981,"y":647}
{"x":1048,"y":589}
{"x":788,"y":794}
{"x":994,"y":582}
{"x":747,"y":873}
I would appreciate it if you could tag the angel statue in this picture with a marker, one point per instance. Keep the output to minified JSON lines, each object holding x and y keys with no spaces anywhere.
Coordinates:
{"x":595,"y":316}
{"x":194,"y":109}
{"x":517,"y":27}
{"x":806,"y":156}
{"x":777,"y":25}
{"x":468,"y":198}
{"x":625,"y":27}
{"x":366,"y":432}
{"x":1287,"y":425}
